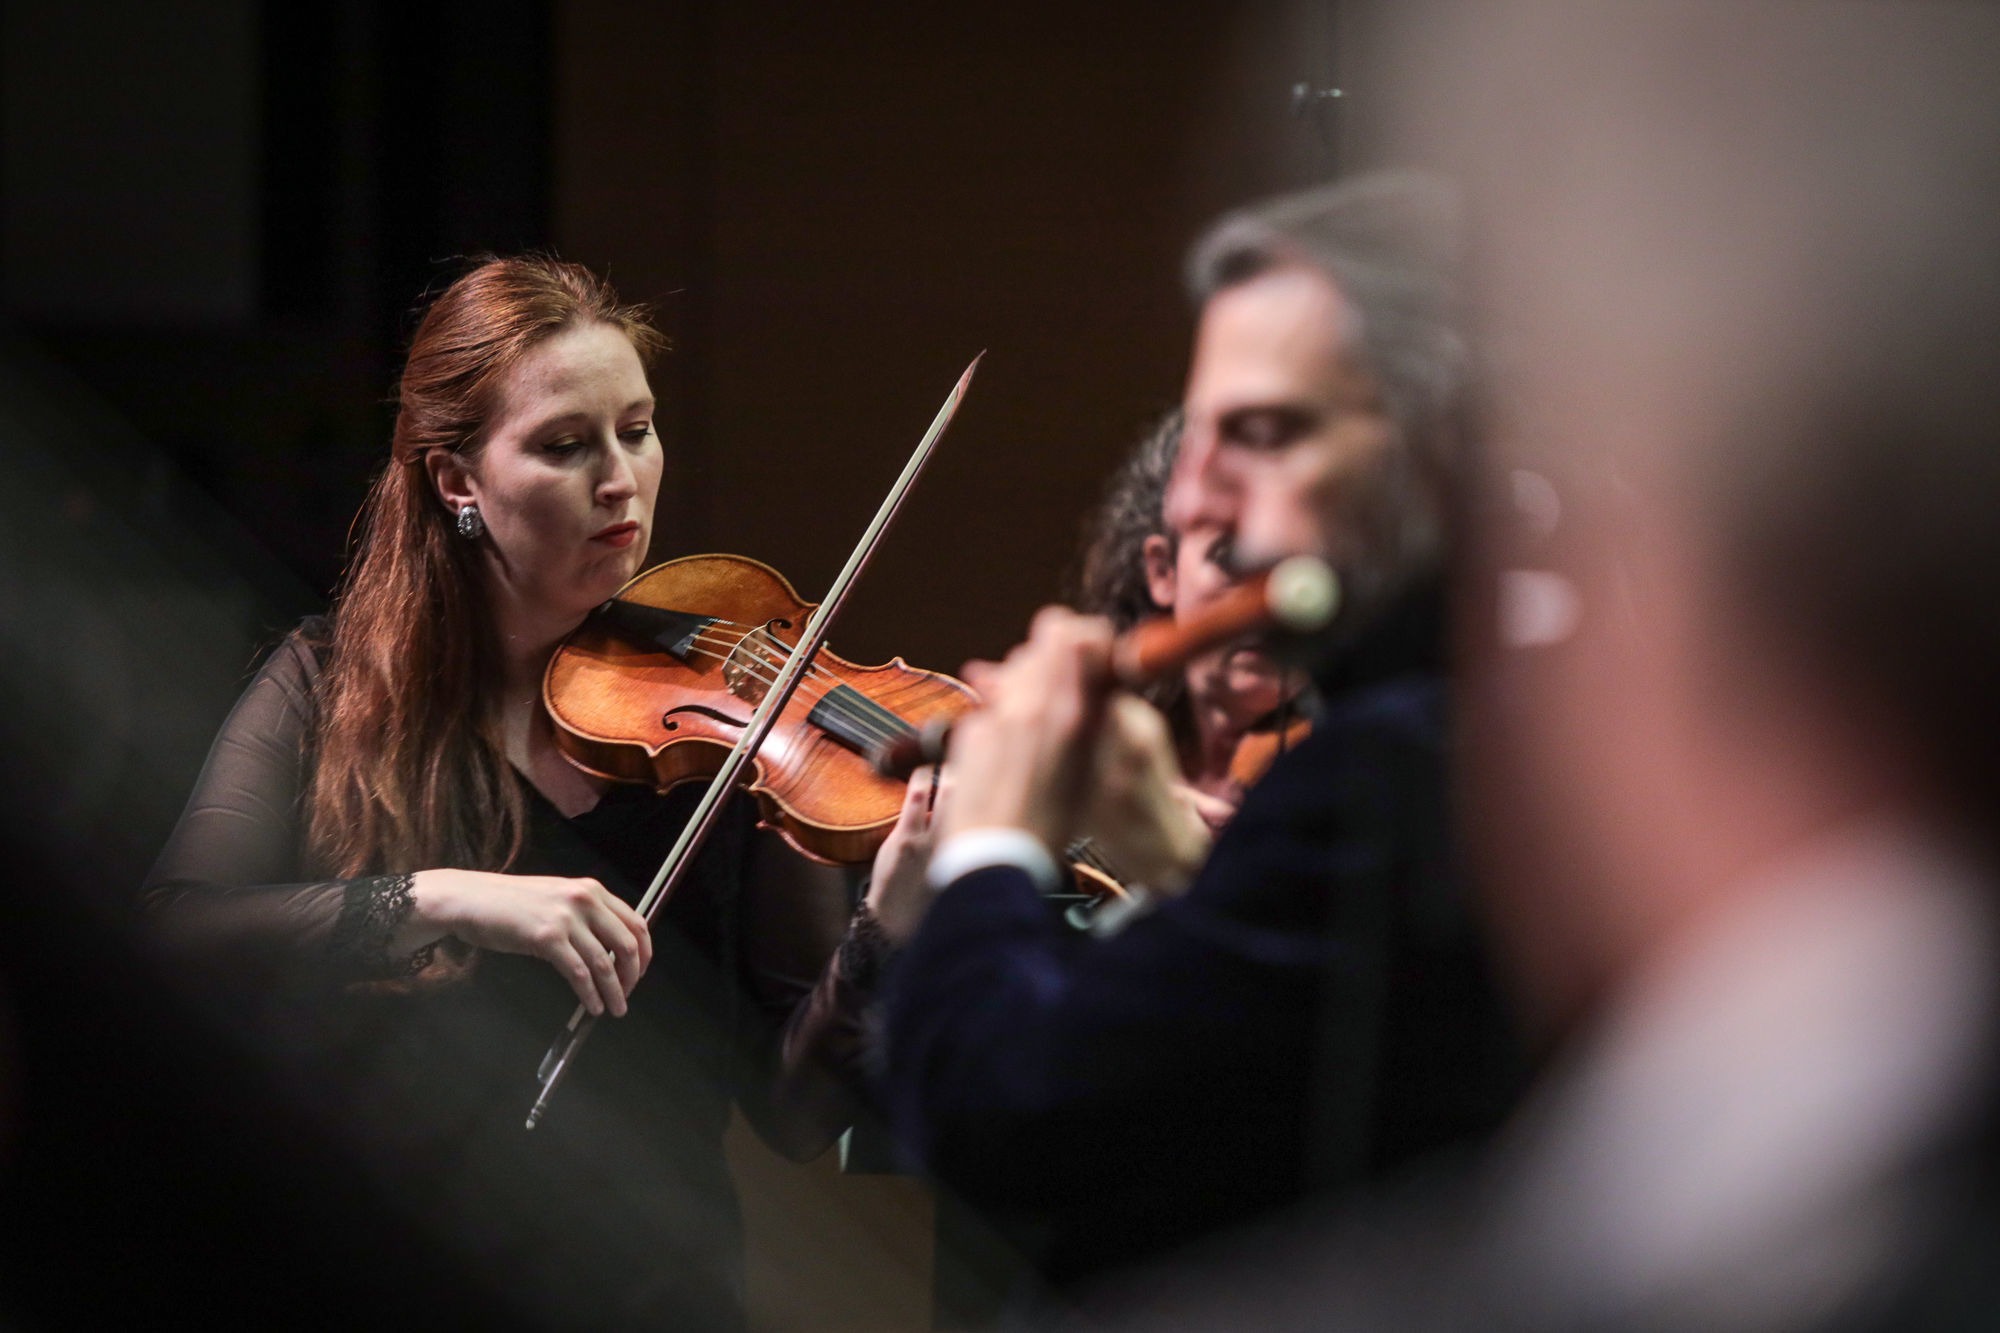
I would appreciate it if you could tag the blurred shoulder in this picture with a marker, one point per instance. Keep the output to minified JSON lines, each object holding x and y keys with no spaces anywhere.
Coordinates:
{"x":1412,"y":706}
{"x":1404,"y":711}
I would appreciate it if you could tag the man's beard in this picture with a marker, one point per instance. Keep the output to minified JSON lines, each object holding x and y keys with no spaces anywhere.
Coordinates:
{"x":1387,"y":538}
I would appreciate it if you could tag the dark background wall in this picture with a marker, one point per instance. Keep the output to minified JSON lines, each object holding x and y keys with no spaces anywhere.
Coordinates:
{"x":218,"y":215}
{"x":861,"y":198}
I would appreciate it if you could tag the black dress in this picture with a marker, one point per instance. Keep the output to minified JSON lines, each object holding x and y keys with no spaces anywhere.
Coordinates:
{"x":618,"y":1210}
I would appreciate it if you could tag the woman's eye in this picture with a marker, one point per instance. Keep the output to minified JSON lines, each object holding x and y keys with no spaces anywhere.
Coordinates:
{"x":562,"y":448}
{"x":634,"y":436}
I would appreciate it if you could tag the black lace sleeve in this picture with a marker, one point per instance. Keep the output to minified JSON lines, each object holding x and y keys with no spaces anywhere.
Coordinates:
{"x":371,"y":909}
{"x":228,"y":880}
{"x":864,"y":951}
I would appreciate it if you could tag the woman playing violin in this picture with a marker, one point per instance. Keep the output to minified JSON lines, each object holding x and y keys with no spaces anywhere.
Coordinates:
{"x":386,"y":803}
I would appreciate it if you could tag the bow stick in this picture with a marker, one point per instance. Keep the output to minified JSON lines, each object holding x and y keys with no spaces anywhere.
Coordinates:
{"x":555,"y":1065}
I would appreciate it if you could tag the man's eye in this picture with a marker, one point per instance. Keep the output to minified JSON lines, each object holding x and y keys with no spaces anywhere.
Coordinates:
{"x":1221,"y":553}
{"x":1263,"y":429}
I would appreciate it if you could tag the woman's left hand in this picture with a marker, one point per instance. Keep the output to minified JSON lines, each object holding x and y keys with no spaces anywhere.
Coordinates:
{"x":898,"y":894}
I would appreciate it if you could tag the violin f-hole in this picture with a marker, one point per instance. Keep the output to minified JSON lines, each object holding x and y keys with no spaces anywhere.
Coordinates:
{"x":668,"y":720}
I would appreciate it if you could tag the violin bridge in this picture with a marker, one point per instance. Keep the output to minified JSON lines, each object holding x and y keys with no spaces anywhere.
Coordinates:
{"x":748,"y":671}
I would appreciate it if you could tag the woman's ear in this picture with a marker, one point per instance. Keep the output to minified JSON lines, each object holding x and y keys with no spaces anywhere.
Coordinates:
{"x":1159,"y":554}
{"x":450,"y":478}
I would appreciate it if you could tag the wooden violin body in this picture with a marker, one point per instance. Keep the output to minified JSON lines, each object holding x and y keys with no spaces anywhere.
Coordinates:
{"x":658,"y":685}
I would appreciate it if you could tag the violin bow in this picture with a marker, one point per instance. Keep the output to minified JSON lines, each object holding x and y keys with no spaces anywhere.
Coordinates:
{"x":555,"y":1065}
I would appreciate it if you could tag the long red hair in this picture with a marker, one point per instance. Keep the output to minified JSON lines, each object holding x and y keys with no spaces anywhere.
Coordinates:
{"x":409,"y":771}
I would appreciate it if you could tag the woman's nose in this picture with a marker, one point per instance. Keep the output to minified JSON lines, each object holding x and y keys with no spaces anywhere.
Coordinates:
{"x":619,"y":482}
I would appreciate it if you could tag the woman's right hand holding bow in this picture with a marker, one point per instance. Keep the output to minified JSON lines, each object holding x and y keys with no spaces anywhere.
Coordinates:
{"x":599,"y":944}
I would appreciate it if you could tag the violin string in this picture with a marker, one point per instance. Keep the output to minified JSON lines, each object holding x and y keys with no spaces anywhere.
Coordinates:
{"x":773,"y":651}
{"x":764,"y":653}
{"x":814,"y":667}
{"x":874,"y":723}
{"x":728,"y":649}
{"x":1085,"y":849}
{"x":781,"y":650}
{"x":877,"y":723}
{"x":768,"y":677}
{"x":878,"y":730}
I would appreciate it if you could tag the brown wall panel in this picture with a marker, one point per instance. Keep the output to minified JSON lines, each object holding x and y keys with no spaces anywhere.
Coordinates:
{"x":837,"y":206}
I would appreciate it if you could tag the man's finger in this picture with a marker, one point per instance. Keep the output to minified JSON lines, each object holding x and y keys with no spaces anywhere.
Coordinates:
{"x":919,"y":796}
{"x":1052,"y":622}
{"x":1214,"y":811}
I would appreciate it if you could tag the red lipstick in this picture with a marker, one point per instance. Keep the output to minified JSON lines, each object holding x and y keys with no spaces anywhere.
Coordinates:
{"x":618,"y":534}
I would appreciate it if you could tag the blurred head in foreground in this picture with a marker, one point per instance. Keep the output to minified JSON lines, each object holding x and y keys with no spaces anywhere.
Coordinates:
{"x":1731,"y":701}
{"x":1742,"y":284}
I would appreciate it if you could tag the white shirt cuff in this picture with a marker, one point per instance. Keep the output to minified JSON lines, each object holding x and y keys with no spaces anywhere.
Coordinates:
{"x":982,"y":848}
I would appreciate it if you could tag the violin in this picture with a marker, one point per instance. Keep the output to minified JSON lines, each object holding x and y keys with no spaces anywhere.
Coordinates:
{"x":659,"y":683}
{"x":1260,"y":748}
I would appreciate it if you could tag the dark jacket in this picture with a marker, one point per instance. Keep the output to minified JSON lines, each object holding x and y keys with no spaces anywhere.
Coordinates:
{"x":1314,"y":1011}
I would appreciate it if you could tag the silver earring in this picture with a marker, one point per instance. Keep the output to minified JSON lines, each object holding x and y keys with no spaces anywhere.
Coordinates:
{"x":470,"y":525}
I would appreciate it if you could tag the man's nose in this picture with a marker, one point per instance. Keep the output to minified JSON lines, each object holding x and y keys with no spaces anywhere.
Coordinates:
{"x":1200,"y":492}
